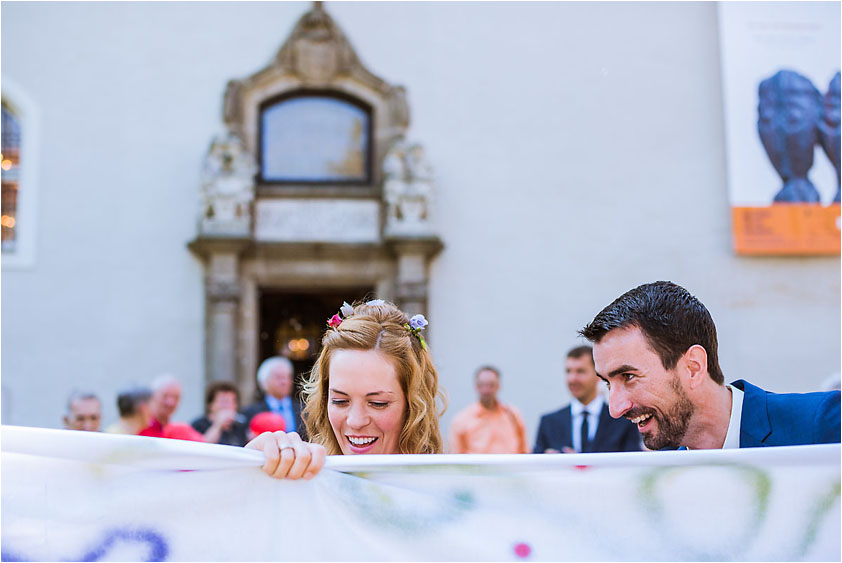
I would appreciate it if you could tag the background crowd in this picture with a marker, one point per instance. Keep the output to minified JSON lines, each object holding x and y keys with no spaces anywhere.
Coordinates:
{"x":149,"y":411}
{"x":486,"y":426}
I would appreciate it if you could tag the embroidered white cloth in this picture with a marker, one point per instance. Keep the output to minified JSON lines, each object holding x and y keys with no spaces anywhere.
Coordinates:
{"x":78,"y":496}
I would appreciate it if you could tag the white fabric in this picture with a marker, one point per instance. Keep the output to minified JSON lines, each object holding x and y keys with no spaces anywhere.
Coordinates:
{"x":577,"y":409}
{"x":87,"y":496}
{"x":732,"y":437}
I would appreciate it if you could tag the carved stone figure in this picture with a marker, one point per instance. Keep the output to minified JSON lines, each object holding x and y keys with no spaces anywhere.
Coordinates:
{"x":829,"y":128}
{"x":227,"y":188}
{"x":394,"y":182}
{"x":788,"y":115}
{"x":407,"y":190}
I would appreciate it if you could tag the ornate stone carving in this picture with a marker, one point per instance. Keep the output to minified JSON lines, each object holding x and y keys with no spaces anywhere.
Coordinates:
{"x":305,"y":234}
{"x":407,"y":191}
{"x":227,"y":188}
{"x":317,"y":50}
{"x":315,"y":55}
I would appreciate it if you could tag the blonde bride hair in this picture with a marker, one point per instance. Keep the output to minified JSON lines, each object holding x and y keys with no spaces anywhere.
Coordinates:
{"x":381,"y":326}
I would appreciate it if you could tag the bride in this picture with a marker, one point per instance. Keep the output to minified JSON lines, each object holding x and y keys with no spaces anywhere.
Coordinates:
{"x":372,"y":390}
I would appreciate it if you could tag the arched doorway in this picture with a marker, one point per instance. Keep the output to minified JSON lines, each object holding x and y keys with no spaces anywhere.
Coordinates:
{"x":311,"y":197}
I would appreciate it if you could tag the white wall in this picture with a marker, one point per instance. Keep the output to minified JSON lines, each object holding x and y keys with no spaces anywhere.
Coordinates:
{"x":579,"y":150}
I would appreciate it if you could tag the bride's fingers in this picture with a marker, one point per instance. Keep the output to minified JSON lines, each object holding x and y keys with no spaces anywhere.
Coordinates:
{"x":285,"y":443}
{"x":317,"y":461}
{"x":303,"y":455}
{"x":272,"y":452}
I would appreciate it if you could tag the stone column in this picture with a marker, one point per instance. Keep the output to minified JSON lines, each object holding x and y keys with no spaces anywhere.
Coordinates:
{"x":413,"y":261}
{"x":222,"y":290}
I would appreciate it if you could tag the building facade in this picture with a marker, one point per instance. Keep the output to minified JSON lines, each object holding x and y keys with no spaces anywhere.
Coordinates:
{"x":199,"y":183}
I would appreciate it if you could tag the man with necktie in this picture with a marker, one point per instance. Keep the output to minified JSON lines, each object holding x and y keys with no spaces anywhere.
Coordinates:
{"x":585,"y":425}
{"x":275,"y":376}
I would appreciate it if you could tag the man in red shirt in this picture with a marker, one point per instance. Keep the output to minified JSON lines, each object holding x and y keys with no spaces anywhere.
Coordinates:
{"x":166,"y":394}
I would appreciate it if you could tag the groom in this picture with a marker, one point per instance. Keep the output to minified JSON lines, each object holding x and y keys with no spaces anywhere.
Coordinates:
{"x":656,"y":347}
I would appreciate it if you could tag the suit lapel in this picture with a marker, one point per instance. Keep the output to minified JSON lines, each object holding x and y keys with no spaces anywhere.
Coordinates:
{"x":602,"y":428}
{"x":754,"y":424}
{"x":567,"y":426}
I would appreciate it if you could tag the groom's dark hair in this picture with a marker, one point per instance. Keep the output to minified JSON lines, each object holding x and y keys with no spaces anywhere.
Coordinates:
{"x":671,"y":319}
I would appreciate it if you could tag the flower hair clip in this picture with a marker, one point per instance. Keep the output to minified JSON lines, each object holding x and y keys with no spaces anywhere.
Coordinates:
{"x":415,"y":326}
{"x":344,"y":312}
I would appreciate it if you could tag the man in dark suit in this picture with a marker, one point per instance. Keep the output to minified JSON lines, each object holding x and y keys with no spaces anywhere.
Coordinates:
{"x":275,"y":376}
{"x":584,"y":425}
{"x":656,"y":347}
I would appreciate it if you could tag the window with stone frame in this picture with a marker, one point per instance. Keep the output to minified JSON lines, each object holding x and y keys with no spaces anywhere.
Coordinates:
{"x":10,"y":174}
{"x":315,"y":138}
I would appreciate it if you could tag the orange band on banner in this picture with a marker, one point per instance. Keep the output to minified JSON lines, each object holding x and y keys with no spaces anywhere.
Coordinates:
{"x":787,"y":228}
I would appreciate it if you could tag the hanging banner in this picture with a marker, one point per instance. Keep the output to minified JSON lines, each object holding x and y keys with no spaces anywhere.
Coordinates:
{"x":780,"y":83}
{"x":79,"y":496}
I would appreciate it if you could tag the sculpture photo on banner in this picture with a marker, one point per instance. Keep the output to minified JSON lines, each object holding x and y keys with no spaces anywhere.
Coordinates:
{"x":780,"y":65}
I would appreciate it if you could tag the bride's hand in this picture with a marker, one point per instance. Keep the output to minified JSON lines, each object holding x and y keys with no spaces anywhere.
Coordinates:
{"x":288,"y":456}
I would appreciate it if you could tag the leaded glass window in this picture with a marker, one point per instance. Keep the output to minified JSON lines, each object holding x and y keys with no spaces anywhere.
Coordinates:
{"x":10,"y":174}
{"x":315,"y":139}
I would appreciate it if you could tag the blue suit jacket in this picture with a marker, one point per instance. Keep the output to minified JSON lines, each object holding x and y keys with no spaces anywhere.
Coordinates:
{"x":791,"y":419}
{"x":262,"y":406}
{"x":612,"y":434}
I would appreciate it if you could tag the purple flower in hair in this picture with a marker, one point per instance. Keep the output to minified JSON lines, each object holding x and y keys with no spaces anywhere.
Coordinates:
{"x":418,"y":322}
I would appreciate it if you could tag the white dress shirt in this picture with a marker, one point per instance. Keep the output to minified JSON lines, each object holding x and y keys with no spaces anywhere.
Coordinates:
{"x":732,"y":438}
{"x":577,"y":410}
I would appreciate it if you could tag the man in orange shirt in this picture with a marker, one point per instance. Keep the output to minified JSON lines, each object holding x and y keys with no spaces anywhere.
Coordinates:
{"x":488,"y":426}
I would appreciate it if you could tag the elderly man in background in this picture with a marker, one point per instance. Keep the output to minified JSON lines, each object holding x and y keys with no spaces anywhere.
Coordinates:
{"x":166,"y":395}
{"x":84,"y":412}
{"x":275,"y":378}
{"x":221,"y":423}
{"x":133,"y":406}
{"x":488,"y":426}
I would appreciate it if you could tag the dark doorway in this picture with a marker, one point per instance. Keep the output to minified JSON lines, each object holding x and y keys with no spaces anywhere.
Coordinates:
{"x":292,"y":323}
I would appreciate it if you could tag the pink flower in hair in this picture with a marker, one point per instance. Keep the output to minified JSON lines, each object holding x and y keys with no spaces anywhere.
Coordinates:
{"x":334,"y":321}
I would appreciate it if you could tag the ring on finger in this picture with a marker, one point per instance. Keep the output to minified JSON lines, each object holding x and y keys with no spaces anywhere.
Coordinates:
{"x":286,"y":447}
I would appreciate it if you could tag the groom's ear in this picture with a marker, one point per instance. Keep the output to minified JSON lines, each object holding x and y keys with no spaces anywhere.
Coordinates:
{"x":694,"y":364}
